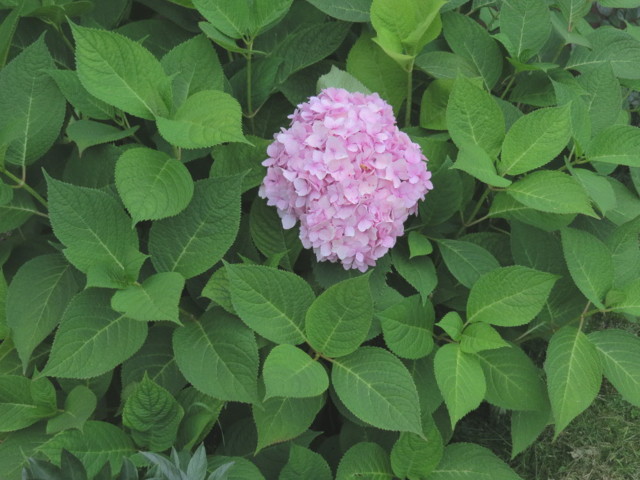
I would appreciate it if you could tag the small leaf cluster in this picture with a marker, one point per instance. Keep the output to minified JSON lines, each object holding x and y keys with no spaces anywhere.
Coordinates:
{"x":152,"y":303}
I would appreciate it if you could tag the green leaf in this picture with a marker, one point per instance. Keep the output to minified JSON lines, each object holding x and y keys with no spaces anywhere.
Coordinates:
{"x":630,"y":300}
{"x":19,"y":408}
{"x":589,"y":262}
{"x":289,"y":372}
{"x":153,"y":416}
{"x":365,"y":460}
{"x":304,"y":463}
{"x":452,"y":324}
{"x":419,"y":272}
{"x":509,"y":296}
{"x":460,"y":379}
{"x":433,"y":106}
{"x":446,"y":65}
{"x":477,"y":337}
{"x":268,"y":235}
{"x":99,"y":443}
{"x":205,"y":119}
{"x":92,"y":339}
{"x":70,"y":86}
{"x":620,"y":355}
{"x":415,"y":457}
{"x":474,"y":118}
{"x":79,"y":405}
{"x":238,"y":20}
{"x":477,"y":163}
{"x":87,"y":133}
{"x":598,"y":188}
{"x":526,"y":427}
{"x":466,"y":261}
{"x":535,"y":139}
{"x":236,"y":158}
{"x":468,"y":460}
{"x":156,"y":299}
{"x":377,"y":71}
{"x":347,"y":10}
{"x":603,"y":96}
{"x":513,"y":381}
{"x":194,"y":66}
{"x":505,"y":206}
{"x":339,"y":79}
{"x":271,"y":302}
{"x":551,"y":191}
{"x":610,"y":46}
{"x":220,"y":341}
{"x":281,"y":419}
{"x":16,"y":449}
{"x":472,"y":42}
{"x":36,"y":299}
{"x":617,"y":144}
{"x":407,"y":327}
{"x":574,"y":374}
{"x":36,"y":105}
{"x":625,"y":254}
{"x":197,"y":238}
{"x":419,"y":245}
{"x":338,"y":321}
{"x":121,"y":72}
{"x":200,"y":415}
{"x":97,"y":233}
{"x":377,"y":388}
{"x":526,"y":25}
{"x":4,"y":328}
{"x":152,"y":185}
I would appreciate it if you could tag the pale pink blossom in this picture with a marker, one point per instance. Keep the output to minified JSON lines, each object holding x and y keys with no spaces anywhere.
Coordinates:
{"x":348,"y":174}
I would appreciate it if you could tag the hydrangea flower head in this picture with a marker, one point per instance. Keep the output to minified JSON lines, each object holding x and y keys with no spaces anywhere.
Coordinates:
{"x":348,"y":174}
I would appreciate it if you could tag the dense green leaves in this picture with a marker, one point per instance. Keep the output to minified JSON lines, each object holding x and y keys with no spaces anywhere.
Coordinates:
{"x":524,"y":27}
{"x":407,"y":327}
{"x":20,"y":403}
{"x":375,"y":386}
{"x":289,"y":372}
{"x":157,"y":298}
{"x":466,"y":261}
{"x":152,"y":185}
{"x":271,"y":302}
{"x":201,"y":234}
{"x":413,"y":456}
{"x":338,"y":321}
{"x":365,"y":459}
{"x":574,"y":374}
{"x":217,"y":340}
{"x":617,"y":144}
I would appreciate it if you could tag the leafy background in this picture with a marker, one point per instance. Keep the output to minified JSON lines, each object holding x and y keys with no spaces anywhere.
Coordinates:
{"x":158,"y":322}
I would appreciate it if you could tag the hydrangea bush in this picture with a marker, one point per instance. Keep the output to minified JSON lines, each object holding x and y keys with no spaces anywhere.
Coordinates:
{"x":225,"y":255}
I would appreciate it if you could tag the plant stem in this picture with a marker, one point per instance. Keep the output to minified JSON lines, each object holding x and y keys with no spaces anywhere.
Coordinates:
{"x":249,"y":55}
{"x":508,"y":87}
{"x":20,"y":183}
{"x":407,"y":113}
{"x":474,"y":212}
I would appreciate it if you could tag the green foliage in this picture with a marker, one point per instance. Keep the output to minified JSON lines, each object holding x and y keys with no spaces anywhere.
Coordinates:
{"x":150,"y":298}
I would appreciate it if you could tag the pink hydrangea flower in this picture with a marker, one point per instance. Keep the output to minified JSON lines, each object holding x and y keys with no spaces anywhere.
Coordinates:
{"x":345,"y":171}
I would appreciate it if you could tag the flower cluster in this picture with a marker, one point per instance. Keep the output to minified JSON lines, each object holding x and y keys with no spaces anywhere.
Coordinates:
{"x":345,"y":171}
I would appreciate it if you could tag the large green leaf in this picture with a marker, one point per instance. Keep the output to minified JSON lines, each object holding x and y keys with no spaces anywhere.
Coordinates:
{"x":153,"y":416}
{"x":460,"y":379}
{"x":474,"y":118}
{"x":78,"y":407}
{"x":121,"y":72}
{"x":419,"y":272}
{"x":466,"y":261}
{"x":472,"y":42}
{"x":526,"y":427}
{"x":97,"y":444}
{"x":513,"y":381}
{"x":200,"y":415}
{"x":152,"y":185}
{"x":36,"y":299}
{"x":205,"y":119}
{"x":617,"y":144}
{"x":289,"y":372}
{"x":620,"y":354}
{"x":70,"y":86}
{"x":589,"y":262}
{"x":535,"y":139}
{"x":525,"y":26}
{"x":551,"y":191}
{"x":416,"y":457}
{"x":463,"y":461}
{"x":219,"y":356}
{"x":338,"y":321}
{"x":477,"y":163}
{"x":197,"y":238}
{"x":365,"y":460}
{"x":347,"y":10}
{"x":236,"y":158}
{"x":407,"y":327}
{"x":35,"y":104}
{"x":157,"y":298}
{"x":92,"y":339}
{"x":509,"y":296}
{"x":88,"y":133}
{"x":271,"y":302}
{"x":280,"y":419}
{"x":377,"y":388}
{"x":96,"y":232}
{"x":19,"y":407}
{"x":304,"y":463}
{"x":574,"y":374}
